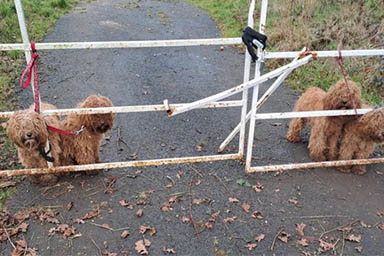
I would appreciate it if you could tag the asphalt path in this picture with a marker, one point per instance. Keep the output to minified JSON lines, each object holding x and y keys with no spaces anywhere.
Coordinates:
{"x":321,"y":198}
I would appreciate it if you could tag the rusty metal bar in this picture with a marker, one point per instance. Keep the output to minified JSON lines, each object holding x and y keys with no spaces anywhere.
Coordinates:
{"x":141,"y":163}
{"x":123,"y":44}
{"x":247,"y":71}
{"x":128,"y":109}
{"x":271,"y":168}
{"x":241,"y":87}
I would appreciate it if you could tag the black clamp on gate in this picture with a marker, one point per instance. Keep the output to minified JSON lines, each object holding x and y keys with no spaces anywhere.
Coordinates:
{"x":252,"y":38}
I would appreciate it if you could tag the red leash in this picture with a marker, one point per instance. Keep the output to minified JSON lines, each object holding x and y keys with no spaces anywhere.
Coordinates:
{"x":33,"y":67}
{"x":54,"y":129}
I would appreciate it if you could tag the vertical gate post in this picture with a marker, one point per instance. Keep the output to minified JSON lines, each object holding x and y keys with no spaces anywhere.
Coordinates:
{"x":25,"y":38}
{"x":251,"y":133}
{"x":247,"y":70}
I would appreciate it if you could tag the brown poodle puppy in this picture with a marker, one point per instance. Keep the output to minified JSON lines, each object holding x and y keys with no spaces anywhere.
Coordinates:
{"x":360,"y":139}
{"x":28,"y":130}
{"x":325,"y":131}
{"x":84,"y":147}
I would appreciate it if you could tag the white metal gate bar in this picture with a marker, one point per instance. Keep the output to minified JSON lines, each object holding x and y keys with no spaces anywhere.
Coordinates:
{"x":259,"y":103}
{"x":327,"y":54}
{"x":143,"y":163}
{"x":123,"y":44}
{"x":239,"y":88}
{"x":25,"y":38}
{"x":281,"y":167}
{"x":255,"y":94}
{"x":287,"y":115}
{"x":127,"y":109}
{"x":247,"y":70}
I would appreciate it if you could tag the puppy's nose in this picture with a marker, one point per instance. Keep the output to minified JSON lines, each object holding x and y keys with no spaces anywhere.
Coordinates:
{"x":29,"y":134}
{"x":345,"y":102}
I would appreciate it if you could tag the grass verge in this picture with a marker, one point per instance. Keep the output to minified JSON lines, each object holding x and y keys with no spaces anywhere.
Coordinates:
{"x":40,"y":17}
{"x":319,"y":25}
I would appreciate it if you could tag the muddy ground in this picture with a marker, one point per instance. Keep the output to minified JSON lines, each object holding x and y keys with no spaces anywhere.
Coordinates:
{"x":169,"y":196}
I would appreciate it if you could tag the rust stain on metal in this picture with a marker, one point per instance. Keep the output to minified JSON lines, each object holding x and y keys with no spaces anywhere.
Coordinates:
{"x":143,"y":163}
{"x":282,"y":167}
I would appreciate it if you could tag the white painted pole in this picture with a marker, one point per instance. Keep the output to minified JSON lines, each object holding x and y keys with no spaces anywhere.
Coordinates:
{"x":260,"y":102}
{"x":25,"y":38}
{"x":247,"y":70}
{"x":255,"y":95}
{"x":241,"y":87}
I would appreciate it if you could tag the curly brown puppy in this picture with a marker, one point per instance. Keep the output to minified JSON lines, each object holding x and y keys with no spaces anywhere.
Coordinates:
{"x":360,"y":138}
{"x":28,"y":130}
{"x":325,"y":131}
{"x":84,"y":147}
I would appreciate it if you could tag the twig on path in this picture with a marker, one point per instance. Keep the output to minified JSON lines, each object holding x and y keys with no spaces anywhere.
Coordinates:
{"x":190,"y":207}
{"x":318,"y":217}
{"x":170,"y":179}
{"x":339,"y":227}
{"x":9,"y":239}
{"x":106,"y":227}
{"x":218,"y":178}
{"x":93,"y":241}
{"x":197,"y":172}
{"x":274,"y":239}
{"x":342,"y":248}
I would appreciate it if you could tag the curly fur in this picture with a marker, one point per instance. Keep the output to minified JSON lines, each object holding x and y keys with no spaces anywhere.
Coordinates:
{"x":325,"y":131}
{"x":84,"y":148}
{"x":360,"y":138}
{"x":28,"y":130}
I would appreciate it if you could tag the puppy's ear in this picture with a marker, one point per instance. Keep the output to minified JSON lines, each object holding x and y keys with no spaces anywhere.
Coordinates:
{"x":13,"y":132}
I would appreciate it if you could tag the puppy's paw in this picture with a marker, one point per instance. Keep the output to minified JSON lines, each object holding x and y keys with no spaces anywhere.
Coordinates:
{"x":48,"y":179}
{"x":344,"y":169}
{"x":359,"y":169}
{"x":292,"y":138}
{"x":92,"y":172}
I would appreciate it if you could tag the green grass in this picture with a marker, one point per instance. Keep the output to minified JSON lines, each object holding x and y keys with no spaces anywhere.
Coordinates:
{"x":319,"y":25}
{"x":40,"y":17}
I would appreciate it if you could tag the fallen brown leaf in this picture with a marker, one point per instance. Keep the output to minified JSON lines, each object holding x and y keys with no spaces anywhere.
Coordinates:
{"x":230,"y":219}
{"x":233,"y":200}
{"x":380,"y":213}
{"x":303,"y":242}
{"x":293,"y":201}
{"x":251,"y":246}
{"x":79,"y":221}
{"x":257,"y":215}
{"x":246,"y":207}
{"x":139,"y":213}
{"x":214,"y":216}
{"x":198,"y":182}
{"x":69,"y":206}
{"x":325,"y":246}
{"x":201,"y":200}
{"x":208,"y":226}
{"x":353,"y":238}
{"x":168,"y":250}
{"x":140,"y":246}
{"x":260,"y":237}
{"x":173,"y":199}
{"x":124,"y":234}
{"x":364,"y":225}
{"x":284,"y":236}
{"x":258,"y":187}
{"x":300,"y":229}
{"x":359,"y":248}
{"x":165,"y":207}
{"x":185,"y":219}
{"x":381,"y":226}
{"x":22,"y":243}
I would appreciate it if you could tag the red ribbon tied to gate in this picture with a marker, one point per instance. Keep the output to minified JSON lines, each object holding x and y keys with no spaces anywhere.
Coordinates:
{"x":32,"y":67}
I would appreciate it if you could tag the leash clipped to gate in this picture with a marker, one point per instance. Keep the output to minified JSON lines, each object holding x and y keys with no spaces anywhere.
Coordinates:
{"x":252,"y":38}
{"x":32,"y":67}
{"x":339,"y":61}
